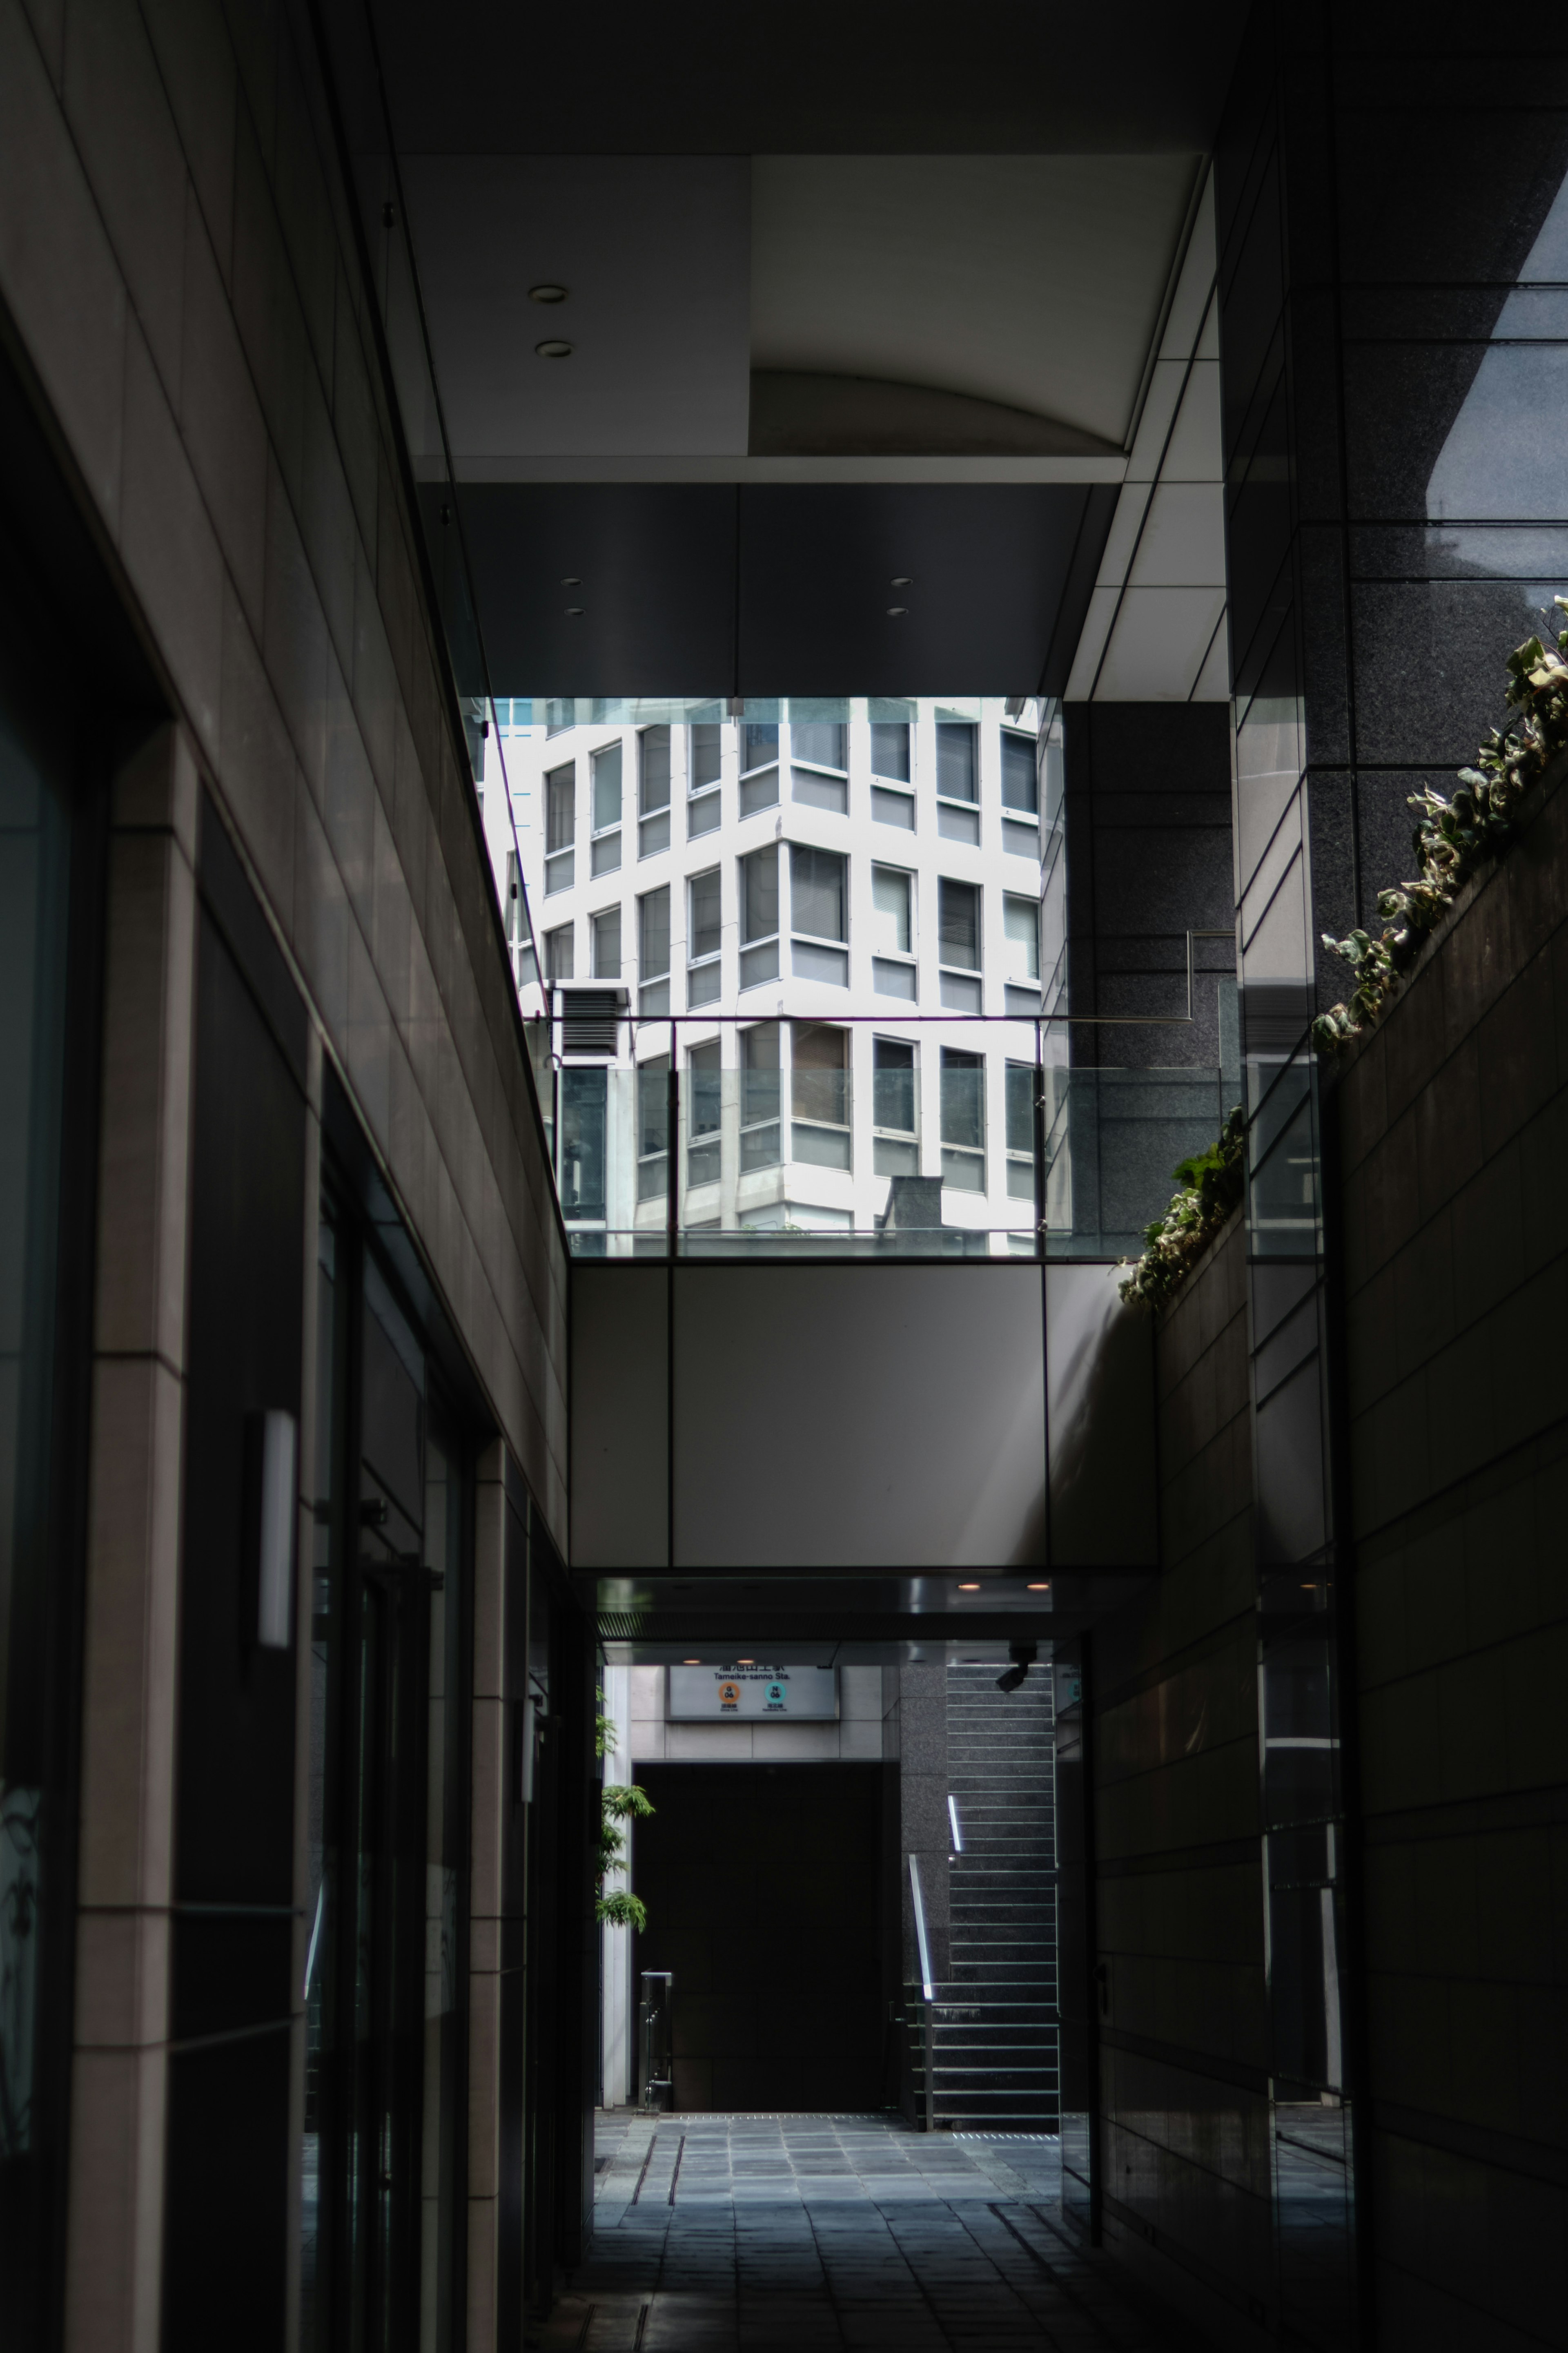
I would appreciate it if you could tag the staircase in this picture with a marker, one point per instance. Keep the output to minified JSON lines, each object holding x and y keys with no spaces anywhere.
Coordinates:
{"x":995,"y":2017}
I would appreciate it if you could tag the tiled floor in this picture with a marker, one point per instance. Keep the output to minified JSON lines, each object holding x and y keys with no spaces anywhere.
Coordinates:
{"x":758,"y":2234}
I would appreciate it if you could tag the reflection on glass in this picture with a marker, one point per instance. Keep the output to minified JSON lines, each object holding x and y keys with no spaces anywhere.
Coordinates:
{"x":33,"y":877}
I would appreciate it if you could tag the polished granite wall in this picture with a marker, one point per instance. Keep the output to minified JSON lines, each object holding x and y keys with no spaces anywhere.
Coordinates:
{"x":178,"y":263}
{"x":1146,"y":805}
{"x":1453,"y":1124}
{"x":1184,"y":2179}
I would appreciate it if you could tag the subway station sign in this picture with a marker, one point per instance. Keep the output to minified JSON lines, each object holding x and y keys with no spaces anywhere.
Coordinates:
{"x":715,"y":1694}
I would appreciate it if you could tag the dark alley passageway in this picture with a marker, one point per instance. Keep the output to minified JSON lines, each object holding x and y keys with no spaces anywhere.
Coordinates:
{"x":773,"y":2235}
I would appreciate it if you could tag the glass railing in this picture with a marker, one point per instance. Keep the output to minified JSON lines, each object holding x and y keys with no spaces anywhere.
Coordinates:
{"x":951,"y":1155}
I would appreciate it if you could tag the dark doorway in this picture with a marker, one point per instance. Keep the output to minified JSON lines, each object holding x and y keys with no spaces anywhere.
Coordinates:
{"x":763,"y":1890}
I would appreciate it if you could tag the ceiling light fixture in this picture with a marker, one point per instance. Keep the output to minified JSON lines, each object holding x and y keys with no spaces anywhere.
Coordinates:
{"x":554,"y":350}
{"x":969,"y":1589}
{"x":576,"y":612}
{"x":894,"y":611}
{"x":745,"y":1662}
{"x":547,"y":293}
{"x":1041,"y":1588}
{"x":572,"y":581}
{"x":692,"y":1663}
{"x":904,"y":580}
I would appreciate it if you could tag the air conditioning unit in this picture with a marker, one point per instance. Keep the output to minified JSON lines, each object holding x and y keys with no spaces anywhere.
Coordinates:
{"x":587,"y":1017}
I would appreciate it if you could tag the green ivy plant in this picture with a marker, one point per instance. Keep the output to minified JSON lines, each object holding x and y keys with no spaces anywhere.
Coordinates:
{"x":1453,"y":836}
{"x":618,"y":1802}
{"x":1211,"y":1185}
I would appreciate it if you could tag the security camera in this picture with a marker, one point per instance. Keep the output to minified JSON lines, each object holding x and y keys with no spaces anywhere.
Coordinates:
{"x":1023,"y":1655}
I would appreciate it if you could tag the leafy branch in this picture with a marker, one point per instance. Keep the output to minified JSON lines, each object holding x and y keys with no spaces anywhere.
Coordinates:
{"x":619,"y":1802}
{"x":1453,"y":836}
{"x":1211,"y":1185}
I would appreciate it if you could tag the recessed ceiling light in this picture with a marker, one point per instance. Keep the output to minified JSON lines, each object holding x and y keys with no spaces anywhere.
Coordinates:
{"x":1041,"y":1588}
{"x":692,"y":1663}
{"x":547,"y":293}
{"x":969,"y":1589}
{"x":576,"y":612}
{"x":894,"y":611}
{"x":745,"y":1662}
{"x":572,"y":581}
{"x":904,"y":580}
{"x":554,"y":350}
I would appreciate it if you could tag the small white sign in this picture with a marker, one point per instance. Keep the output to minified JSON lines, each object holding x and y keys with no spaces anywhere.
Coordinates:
{"x":710,"y":1692}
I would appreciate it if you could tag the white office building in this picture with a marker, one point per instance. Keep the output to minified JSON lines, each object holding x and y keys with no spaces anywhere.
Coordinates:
{"x":829,"y":913}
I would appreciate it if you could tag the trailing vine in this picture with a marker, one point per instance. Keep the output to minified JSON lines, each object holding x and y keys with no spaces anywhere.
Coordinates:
{"x":618,"y":1802}
{"x":1211,"y":1185}
{"x":1452,"y":837}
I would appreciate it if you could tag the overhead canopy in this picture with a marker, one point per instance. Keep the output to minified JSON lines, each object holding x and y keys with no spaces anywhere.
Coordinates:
{"x":864,"y":294}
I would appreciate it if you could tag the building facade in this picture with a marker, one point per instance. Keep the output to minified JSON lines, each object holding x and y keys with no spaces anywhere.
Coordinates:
{"x":835,"y":909}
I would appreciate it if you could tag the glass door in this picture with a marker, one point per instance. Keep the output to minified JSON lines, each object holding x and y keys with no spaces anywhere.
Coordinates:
{"x":386,"y":1969}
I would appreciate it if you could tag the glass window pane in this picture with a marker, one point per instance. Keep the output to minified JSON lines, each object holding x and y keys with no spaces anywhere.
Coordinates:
{"x":760,"y":893}
{"x":1019,"y":787}
{"x":1021,"y":923}
{"x":707,"y":929}
{"x":558,"y":960}
{"x":892,"y":930}
{"x":706,"y":754}
{"x":890,"y":750}
{"x":653,"y":912}
{"x":820,"y":741}
{"x":560,"y":808}
{"x":819,"y":1085}
{"x":759,"y":1073}
{"x":760,"y":746}
{"x":583,"y":1095}
{"x":958,"y":919}
{"x":653,"y":1105}
{"x":963,"y":1098}
{"x":1020,"y":1080}
{"x":607,"y":945}
{"x":705,"y":1099}
{"x":955,"y":762}
{"x":606,"y":788}
{"x":894,"y":1086}
{"x":652,"y":769}
{"x":817,"y":892}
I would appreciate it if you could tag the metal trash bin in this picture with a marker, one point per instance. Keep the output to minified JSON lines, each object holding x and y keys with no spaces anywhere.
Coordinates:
{"x":653,"y":2041}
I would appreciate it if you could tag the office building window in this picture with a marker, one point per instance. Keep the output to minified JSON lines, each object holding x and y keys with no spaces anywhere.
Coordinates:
{"x":895,"y":1151}
{"x":1020,"y":787}
{"x":560,"y":829}
{"x":704,"y":1109}
{"x":704,"y":800}
{"x":560,"y":713}
{"x":653,"y":951}
{"x":819,"y":1094}
{"x":957,"y":779}
{"x":759,"y":767}
{"x":704,"y":938}
{"x":819,"y":765}
{"x":818,"y":916}
{"x":653,"y":1128}
{"x":652,"y":791}
{"x":958,"y":927}
{"x":584,"y":1101}
{"x":962,"y":1120}
{"x":760,"y":1140}
{"x":1021,"y":1080}
{"x":560,"y":963}
{"x":893,"y":771}
{"x":605,"y":932}
{"x":760,"y":916}
{"x":891,"y":749}
{"x":892,"y":932}
{"x":606,"y":843}
{"x":1021,"y":934}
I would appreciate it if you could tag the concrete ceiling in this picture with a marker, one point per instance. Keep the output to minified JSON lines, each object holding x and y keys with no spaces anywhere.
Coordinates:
{"x":1034,"y":281}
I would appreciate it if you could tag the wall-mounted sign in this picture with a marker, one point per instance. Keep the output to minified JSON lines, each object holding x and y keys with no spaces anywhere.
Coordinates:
{"x":719,"y":1693}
